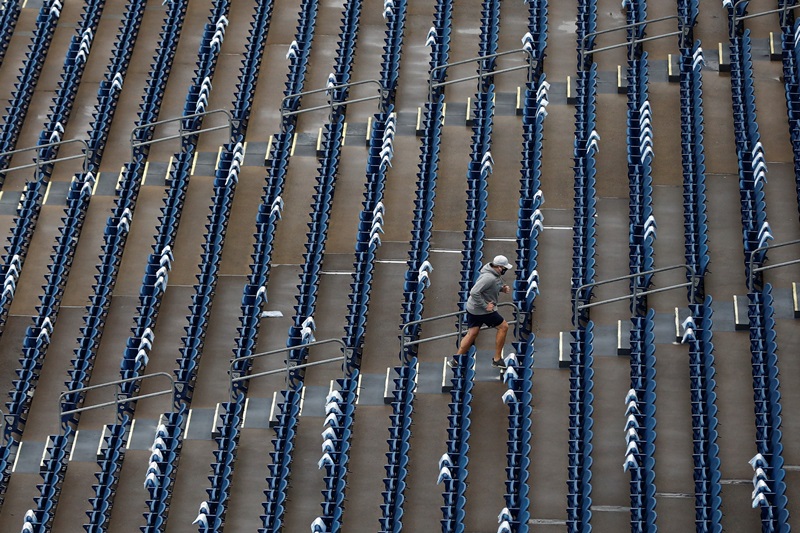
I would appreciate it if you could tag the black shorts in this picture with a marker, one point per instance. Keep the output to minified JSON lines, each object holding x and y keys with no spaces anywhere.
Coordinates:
{"x":491,"y":320}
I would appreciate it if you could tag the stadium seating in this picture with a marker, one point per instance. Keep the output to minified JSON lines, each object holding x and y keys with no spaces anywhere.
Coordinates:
{"x":46,"y":23}
{"x":415,"y":282}
{"x":520,"y":471}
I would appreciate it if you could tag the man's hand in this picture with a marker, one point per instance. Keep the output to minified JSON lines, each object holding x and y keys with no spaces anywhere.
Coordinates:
{"x":506,"y":289}
{"x":490,"y":306}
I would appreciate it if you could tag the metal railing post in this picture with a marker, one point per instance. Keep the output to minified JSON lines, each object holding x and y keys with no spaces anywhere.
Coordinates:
{"x":238,"y":377}
{"x":117,"y":400}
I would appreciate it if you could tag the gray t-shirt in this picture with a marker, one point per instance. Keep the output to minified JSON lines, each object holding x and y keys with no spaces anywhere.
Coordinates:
{"x":486,"y":290}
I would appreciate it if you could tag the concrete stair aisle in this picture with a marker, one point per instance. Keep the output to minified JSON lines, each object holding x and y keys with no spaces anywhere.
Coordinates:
{"x":673,"y":455}
{"x":190,"y":483}
{"x":736,"y":427}
{"x":74,"y":497}
{"x":129,"y":505}
{"x":252,"y":459}
{"x":487,"y":453}
{"x":423,"y":496}
{"x":303,"y":495}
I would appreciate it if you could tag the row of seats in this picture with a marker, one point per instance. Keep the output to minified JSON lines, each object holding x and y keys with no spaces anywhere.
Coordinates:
{"x":211,"y":43}
{"x":256,"y":45}
{"x":8,"y":22}
{"x":161,"y":468}
{"x":453,"y":464}
{"x":695,"y":218}
{"x":772,"y":501}
{"x":488,"y":41}
{"x":640,"y":424}
{"x":698,"y":327}
{"x":479,"y":168}
{"x":281,"y":458}
{"x":416,"y":279}
{"x":790,"y":54}
{"x":346,"y":49}
{"x":30,"y":363}
{"x":581,"y":400}
{"x":340,"y":410}
{"x":579,"y":486}
{"x":752,"y":164}
{"x":585,"y":186}
{"x":298,"y":56}
{"x":53,"y":467}
{"x":112,"y":451}
{"x":301,"y":331}
{"x":392,"y":46}
{"x":642,"y":223}
{"x":705,"y":452}
{"x":370,"y":227}
{"x":111,"y":85}
{"x":17,"y":110}
{"x":439,"y":37}
{"x":254,"y":296}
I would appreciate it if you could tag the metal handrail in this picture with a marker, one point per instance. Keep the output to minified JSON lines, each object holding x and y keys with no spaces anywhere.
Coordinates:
{"x":332,"y":104}
{"x":782,"y":10}
{"x":38,"y":164}
{"x":634,"y":294}
{"x":532,"y":64}
{"x":181,"y":131}
{"x":117,"y":400}
{"x":683,"y":31}
{"x":404,"y":335}
{"x":624,"y":27}
{"x":239,"y":377}
{"x":761,"y":268}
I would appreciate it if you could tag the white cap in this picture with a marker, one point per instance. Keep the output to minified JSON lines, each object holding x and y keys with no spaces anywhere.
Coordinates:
{"x":501,"y":261}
